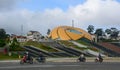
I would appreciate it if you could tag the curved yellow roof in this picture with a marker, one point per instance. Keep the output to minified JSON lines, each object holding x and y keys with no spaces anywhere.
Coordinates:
{"x":69,"y":33}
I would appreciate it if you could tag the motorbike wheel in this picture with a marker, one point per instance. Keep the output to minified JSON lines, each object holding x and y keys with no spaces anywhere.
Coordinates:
{"x":78,"y":60}
{"x":101,"y":60}
{"x":43,"y":61}
{"x":31,"y":61}
{"x":96,"y":60}
{"x":21,"y":62}
{"x":84,"y":59}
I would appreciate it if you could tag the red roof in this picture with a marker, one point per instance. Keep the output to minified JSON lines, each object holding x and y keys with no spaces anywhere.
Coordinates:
{"x":18,"y":37}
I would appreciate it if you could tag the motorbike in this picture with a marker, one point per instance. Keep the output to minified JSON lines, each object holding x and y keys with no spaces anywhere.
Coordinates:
{"x":81,"y":59}
{"x":99,"y":60}
{"x":41,"y":59}
{"x":25,"y":60}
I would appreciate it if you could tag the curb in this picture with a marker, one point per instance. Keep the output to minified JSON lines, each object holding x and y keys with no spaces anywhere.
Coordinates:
{"x":9,"y":61}
{"x":70,"y":60}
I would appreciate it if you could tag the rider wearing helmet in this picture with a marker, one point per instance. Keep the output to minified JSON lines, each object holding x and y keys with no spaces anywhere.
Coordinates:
{"x":41,"y":56}
{"x":100,"y":57}
{"x":82,"y":58}
{"x":27,"y":56}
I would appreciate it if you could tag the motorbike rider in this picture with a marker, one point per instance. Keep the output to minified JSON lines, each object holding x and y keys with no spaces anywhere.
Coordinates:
{"x":82,"y":58}
{"x":41,"y":56}
{"x":100,"y":57}
{"x":26,"y":56}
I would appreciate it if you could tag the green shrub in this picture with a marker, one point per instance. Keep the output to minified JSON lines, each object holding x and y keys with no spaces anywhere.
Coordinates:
{"x":6,"y":56}
{"x":2,"y":43}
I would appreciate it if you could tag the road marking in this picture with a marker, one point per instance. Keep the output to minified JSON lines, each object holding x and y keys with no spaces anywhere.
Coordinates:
{"x":33,"y":66}
{"x":30,"y":66}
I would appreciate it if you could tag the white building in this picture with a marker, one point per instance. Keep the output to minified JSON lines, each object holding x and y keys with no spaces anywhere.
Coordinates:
{"x":19,"y":38}
{"x":33,"y":35}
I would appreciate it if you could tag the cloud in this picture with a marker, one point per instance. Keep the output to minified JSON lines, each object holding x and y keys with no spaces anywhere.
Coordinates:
{"x":100,"y":13}
{"x":12,"y":21}
{"x":7,"y":5}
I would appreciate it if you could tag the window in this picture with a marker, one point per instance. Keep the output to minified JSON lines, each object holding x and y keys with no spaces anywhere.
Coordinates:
{"x":74,"y":31}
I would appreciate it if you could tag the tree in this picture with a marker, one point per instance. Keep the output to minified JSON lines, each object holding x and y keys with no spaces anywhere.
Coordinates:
{"x":2,"y":34}
{"x":3,"y":37}
{"x":99,"y":32}
{"x":2,"y":43}
{"x":114,"y":33}
{"x":90,"y":29}
{"x":42,"y":37}
{"x":14,"y":45}
{"x":8,"y":38}
{"x":48,"y":32}
{"x":114,"y":29}
{"x":108,"y":31}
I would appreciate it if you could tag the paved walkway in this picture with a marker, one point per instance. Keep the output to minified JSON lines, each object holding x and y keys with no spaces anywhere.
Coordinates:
{"x":89,"y":59}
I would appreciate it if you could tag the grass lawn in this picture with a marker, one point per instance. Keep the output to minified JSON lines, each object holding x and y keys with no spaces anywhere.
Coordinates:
{"x":7,"y":57}
{"x":84,"y":43}
{"x":69,"y":44}
{"x":66,"y":43}
{"x":41,"y":46}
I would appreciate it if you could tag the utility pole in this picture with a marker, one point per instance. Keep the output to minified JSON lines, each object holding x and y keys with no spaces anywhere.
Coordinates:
{"x":21,"y":30}
{"x":72,"y":23}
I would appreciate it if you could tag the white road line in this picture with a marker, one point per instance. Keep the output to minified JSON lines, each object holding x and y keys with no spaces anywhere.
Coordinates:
{"x":33,"y":66}
{"x":30,"y":66}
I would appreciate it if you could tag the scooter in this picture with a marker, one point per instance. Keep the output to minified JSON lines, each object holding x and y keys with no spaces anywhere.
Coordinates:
{"x":25,"y":60}
{"x":99,"y":60}
{"x":81,"y":59}
{"x":41,"y":59}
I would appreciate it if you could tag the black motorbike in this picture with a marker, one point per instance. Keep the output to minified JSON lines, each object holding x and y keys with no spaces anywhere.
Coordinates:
{"x":41,"y":59}
{"x":99,"y":60}
{"x":81,"y":59}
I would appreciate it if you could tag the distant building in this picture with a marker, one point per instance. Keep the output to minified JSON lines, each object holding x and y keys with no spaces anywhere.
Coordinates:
{"x":69,"y":33}
{"x":19,"y":38}
{"x":33,"y":35}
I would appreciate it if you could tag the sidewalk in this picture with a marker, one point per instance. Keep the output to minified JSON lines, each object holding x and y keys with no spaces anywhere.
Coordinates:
{"x":88,"y":59}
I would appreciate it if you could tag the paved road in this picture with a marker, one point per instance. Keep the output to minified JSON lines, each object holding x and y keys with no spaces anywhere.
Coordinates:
{"x":61,"y":66}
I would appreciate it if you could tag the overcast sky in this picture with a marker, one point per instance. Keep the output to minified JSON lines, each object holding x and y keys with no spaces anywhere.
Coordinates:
{"x":41,"y":15}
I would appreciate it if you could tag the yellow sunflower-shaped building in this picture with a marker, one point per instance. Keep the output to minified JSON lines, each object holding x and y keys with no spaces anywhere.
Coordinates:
{"x":69,"y":33}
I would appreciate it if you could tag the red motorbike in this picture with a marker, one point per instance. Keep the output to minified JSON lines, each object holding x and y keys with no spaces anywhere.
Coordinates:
{"x":26,"y":60}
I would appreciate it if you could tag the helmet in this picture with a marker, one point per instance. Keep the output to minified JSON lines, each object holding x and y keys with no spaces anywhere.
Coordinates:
{"x":27,"y":53}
